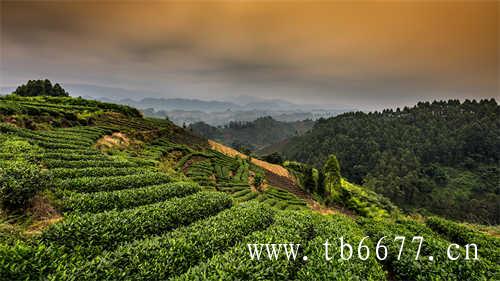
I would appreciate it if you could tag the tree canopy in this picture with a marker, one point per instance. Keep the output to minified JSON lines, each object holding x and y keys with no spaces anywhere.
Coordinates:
{"x":40,"y":88}
{"x":332,"y":178}
{"x":439,"y":156}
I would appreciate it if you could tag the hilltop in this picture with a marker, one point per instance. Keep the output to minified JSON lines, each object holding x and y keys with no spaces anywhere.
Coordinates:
{"x":94,"y":191}
{"x":440,"y":157}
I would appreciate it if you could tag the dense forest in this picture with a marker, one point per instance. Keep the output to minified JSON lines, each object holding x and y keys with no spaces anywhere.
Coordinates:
{"x":440,"y":157}
{"x":249,"y":136}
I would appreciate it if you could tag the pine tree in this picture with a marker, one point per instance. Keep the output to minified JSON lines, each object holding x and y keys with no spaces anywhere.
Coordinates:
{"x":332,"y":178}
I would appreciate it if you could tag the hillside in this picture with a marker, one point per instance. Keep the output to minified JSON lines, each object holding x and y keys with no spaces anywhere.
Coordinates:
{"x":439,"y":157}
{"x":94,"y":191}
{"x":252,"y":135}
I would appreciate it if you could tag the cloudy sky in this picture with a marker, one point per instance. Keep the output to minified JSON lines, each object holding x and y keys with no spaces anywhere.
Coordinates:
{"x":368,"y":55}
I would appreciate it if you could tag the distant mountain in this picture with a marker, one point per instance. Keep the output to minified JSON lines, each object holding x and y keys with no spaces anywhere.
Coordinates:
{"x":188,"y":111}
{"x":213,"y":112}
{"x":182,"y":104}
{"x":253,"y":135}
{"x":221,"y":118}
{"x":168,"y":104}
{"x":257,"y":103}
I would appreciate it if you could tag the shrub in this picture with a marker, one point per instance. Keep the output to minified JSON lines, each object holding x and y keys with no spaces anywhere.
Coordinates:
{"x":407,"y":268}
{"x":66,"y":173}
{"x":58,"y":163}
{"x":365,"y":202}
{"x":332,"y":179}
{"x":235,"y":264}
{"x":488,"y":247}
{"x":127,"y":198}
{"x":307,"y":176}
{"x":20,"y":180}
{"x":93,"y":184}
{"x":16,"y":148}
{"x":165,"y":256}
{"x":317,"y":268}
{"x":20,"y":261}
{"x":20,"y":176}
{"x":108,"y":229}
{"x":274,"y":158}
{"x":258,"y":180}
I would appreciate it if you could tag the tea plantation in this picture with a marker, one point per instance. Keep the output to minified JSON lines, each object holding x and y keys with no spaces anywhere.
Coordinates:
{"x":94,"y":191}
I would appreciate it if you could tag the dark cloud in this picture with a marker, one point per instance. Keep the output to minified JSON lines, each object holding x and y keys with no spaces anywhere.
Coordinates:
{"x":31,"y":22}
{"x":157,"y":48}
{"x":364,"y":53}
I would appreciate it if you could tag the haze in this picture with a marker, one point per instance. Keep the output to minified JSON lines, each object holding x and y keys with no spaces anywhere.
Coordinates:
{"x":368,"y":55}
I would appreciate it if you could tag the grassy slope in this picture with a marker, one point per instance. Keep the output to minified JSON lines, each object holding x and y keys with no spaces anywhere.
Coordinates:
{"x":85,"y":178}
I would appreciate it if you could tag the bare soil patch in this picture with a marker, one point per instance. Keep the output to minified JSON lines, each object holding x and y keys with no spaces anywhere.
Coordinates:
{"x":42,"y":213}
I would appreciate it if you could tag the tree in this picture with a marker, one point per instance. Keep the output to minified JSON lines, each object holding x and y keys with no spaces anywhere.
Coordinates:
{"x":414,"y":154}
{"x":332,"y":179}
{"x":21,"y":177}
{"x":274,"y":158}
{"x":258,"y":180}
{"x":40,"y":88}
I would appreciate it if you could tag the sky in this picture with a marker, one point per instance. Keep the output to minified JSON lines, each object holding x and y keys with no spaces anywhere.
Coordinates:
{"x":364,"y":54}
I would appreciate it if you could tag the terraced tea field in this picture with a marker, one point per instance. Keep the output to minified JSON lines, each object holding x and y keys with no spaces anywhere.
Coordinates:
{"x":166,"y":206}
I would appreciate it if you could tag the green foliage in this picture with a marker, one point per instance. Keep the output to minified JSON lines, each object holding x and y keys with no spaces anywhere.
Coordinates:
{"x":21,"y":177}
{"x":488,"y":246}
{"x":281,"y":199}
{"x":180,"y":164}
{"x":40,"y":88}
{"x":365,"y":202}
{"x":241,"y":174}
{"x":126,"y":198}
{"x":58,"y":163}
{"x":126,"y":220}
{"x":248,"y":136}
{"x":332,"y":178}
{"x":258,"y":180}
{"x":22,"y":261}
{"x":108,"y":229}
{"x":274,"y":158}
{"x":165,"y":256}
{"x":330,"y":229}
{"x":20,"y":180}
{"x":235,"y":264}
{"x":58,"y":139}
{"x":32,"y":111}
{"x":332,"y":189}
{"x":94,"y":184}
{"x":308,"y":176}
{"x":19,"y":148}
{"x":412,"y":155}
{"x":67,"y":173}
{"x":407,"y":268}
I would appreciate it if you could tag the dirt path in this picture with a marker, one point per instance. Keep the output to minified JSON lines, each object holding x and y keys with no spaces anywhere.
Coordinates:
{"x":278,"y":176}
{"x":276,"y":169}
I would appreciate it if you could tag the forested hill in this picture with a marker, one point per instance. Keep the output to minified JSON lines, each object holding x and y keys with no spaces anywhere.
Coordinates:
{"x":441,"y":156}
{"x":249,"y":136}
